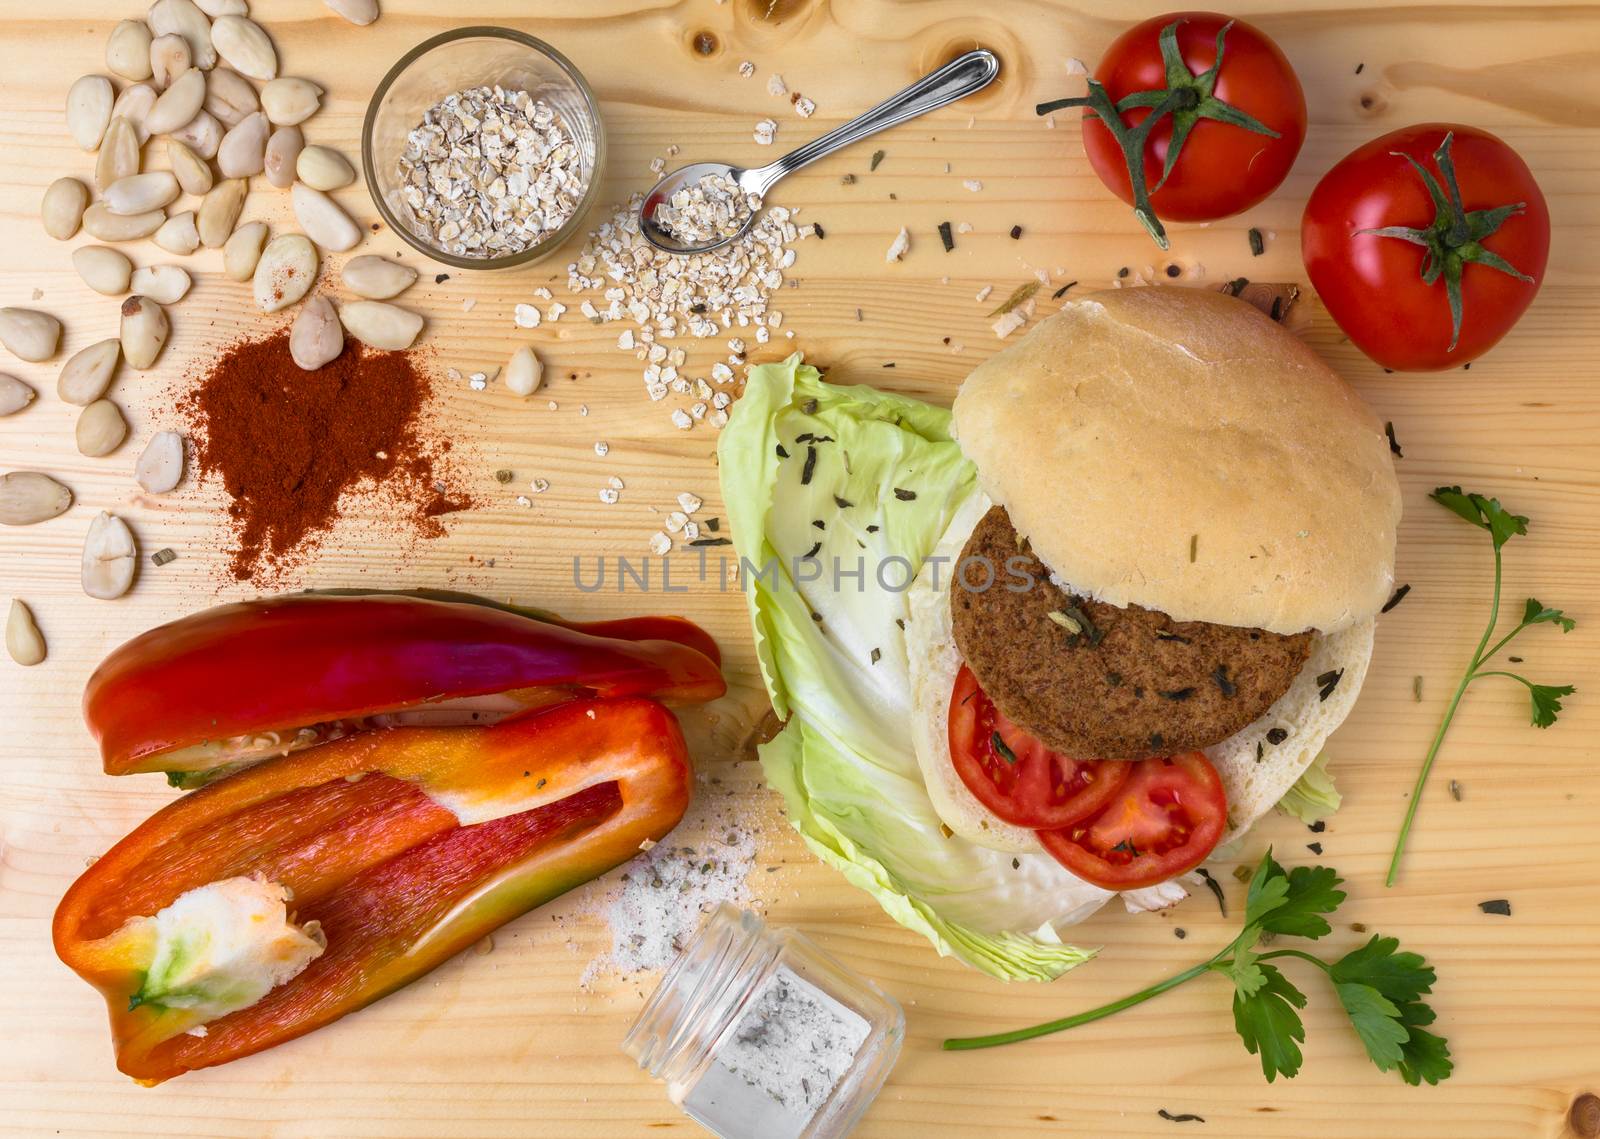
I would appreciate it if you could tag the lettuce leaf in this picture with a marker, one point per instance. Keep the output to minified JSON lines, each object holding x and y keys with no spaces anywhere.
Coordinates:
{"x":885,"y":477}
{"x":1313,"y":796}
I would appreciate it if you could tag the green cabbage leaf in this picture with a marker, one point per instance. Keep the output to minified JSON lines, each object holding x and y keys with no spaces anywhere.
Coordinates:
{"x":835,"y":495}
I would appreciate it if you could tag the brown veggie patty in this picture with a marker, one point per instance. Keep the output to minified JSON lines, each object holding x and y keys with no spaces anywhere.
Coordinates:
{"x":1092,"y":680}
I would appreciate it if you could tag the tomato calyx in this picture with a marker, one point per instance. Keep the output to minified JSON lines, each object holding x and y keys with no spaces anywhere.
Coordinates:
{"x":1454,"y":238}
{"x":1187,"y":98}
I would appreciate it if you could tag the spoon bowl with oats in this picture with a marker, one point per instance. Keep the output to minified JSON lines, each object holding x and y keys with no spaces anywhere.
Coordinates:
{"x":705,"y":205}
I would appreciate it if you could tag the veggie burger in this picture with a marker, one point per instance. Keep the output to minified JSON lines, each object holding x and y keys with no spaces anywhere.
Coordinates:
{"x":1141,"y":632}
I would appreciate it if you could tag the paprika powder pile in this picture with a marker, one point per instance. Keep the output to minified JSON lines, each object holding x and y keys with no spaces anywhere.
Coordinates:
{"x":292,"y":448}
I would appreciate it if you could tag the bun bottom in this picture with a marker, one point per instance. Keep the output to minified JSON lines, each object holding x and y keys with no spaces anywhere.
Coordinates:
{"x":1300,"y":720}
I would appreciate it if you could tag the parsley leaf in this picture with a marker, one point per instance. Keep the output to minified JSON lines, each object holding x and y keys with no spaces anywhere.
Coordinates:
{"x":1312,"y":892}
{"x":1268,"y":1024}
{"x":1546,"y":700}
{"x":1483,"y":512}
{"x":1398,"y":976}
{"x":1269,"y":889}
{"x":1247,"y":976}
{"x":1377,"y":1022}
{"x":1424,"y":1056}
{"x":1535,"y":613}
{"x":1381,"y":988}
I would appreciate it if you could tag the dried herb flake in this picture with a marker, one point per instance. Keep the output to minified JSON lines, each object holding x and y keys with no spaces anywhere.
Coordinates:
{"x":1399,"y":596}
{"x":946,"y":236}
{"x":1215,"y":887}
{"x":1020,"y":295}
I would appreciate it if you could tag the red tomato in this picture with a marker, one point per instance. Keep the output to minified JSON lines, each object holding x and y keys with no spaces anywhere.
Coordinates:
{"x":1377,"y":287}
{"x":1163,"y":821}
{"x":1221,"y":168}
{"x":1016,"y":776}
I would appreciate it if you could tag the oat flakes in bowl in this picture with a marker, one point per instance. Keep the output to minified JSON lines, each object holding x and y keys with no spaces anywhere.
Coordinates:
{"x":482,"y":148}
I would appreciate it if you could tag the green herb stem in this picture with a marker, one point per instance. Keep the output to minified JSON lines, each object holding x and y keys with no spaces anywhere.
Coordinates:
{"x":1444,"y":726}
{"x":1317,"y":961}
{"x":969,"y":1043}
{"x":1522,"y":680}
{"x":1500,"y":644}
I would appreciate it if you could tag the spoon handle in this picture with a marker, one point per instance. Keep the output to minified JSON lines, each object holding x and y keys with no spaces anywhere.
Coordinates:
{"x":955,"y":80}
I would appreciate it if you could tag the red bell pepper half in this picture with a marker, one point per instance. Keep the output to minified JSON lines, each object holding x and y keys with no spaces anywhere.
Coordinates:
{"x":240,"y":682}
{"x":278,"y":899}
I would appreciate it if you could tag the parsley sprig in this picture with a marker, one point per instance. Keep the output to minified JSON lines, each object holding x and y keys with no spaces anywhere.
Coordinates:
{"x":1380,"y":987}
{"x":1544,"y":699}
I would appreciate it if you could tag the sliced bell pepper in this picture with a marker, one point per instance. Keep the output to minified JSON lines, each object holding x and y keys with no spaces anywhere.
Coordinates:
{"x":390,"y":850}
{"x":650,"y":627}
{"x":234,"y":684}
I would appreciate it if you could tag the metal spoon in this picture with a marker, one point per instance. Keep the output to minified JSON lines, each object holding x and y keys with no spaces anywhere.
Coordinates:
{"x":955,"y":80}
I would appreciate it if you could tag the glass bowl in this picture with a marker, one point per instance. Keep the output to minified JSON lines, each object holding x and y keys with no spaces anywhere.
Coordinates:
{"x":460,"y":59}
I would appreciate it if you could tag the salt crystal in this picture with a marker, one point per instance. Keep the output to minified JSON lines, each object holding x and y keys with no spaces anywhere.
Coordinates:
{"x":689,"y":502}
{"x":899,"y":246}
{"x":526,"y":316}
{"x":609,"y":496}
{"x":602,"y":449}
{"x":1008,"y":323}
{"x":681,"y":420}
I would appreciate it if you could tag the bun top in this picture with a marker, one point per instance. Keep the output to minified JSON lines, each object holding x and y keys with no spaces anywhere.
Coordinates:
{"x":1177,"y":449}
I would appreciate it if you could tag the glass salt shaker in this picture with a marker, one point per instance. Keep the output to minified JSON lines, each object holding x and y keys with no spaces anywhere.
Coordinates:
{"x":759,"y":1034}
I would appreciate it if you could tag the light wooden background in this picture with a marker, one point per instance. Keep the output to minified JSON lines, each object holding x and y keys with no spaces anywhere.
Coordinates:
{"x":507,"y":1045}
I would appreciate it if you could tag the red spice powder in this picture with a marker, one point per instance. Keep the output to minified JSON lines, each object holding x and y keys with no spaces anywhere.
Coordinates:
{"x":292,"y":447}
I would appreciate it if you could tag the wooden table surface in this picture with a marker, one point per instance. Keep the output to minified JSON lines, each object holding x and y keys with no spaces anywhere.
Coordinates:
{"x":508,"y":1044}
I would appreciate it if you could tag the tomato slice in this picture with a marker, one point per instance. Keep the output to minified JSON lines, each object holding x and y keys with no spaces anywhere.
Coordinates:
{"x":1016,"y":776}
{"x":1164,"y":820}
